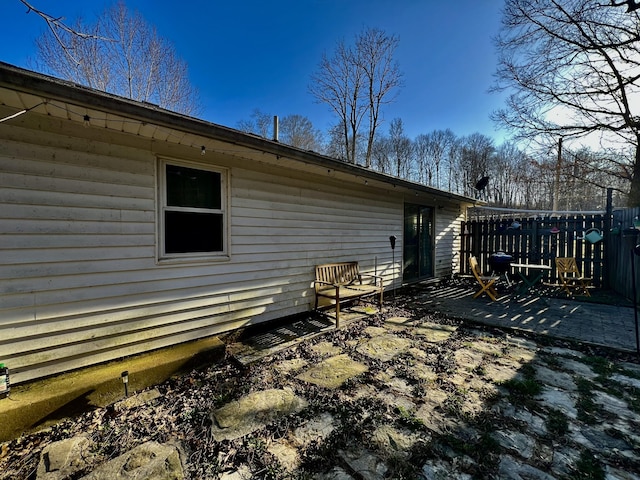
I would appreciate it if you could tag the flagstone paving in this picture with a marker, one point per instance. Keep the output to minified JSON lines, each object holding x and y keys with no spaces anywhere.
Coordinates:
{"x":333,"y":372}
{"x":411,"y":398}
{"x":254,"y":411}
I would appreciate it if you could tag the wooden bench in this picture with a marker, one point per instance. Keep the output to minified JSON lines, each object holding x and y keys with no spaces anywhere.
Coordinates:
{"x":343,"y":281}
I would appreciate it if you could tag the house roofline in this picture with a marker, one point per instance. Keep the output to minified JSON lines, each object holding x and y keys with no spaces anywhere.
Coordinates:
{"x":62,"y":90}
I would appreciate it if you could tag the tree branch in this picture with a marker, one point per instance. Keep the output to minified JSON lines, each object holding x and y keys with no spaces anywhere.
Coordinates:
{"x":632,"y":5}
{"x":56,"y":24}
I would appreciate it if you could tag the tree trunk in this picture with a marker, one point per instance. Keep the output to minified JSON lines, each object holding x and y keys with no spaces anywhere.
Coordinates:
{"x":369,"y":150}
{"x":634,"y":194}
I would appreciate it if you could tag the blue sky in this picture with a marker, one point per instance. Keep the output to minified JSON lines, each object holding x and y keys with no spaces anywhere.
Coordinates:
{"x":248,"y":54}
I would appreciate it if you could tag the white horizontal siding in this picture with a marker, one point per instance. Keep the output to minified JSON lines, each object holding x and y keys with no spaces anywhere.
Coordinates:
{"x":310,"y":220}
{"x":447,"y":239}
{"x":79,"y":281}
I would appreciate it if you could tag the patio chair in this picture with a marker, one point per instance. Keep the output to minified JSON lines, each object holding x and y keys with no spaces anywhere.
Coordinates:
{"x":485,"y":281}
{"x":570,"y":277}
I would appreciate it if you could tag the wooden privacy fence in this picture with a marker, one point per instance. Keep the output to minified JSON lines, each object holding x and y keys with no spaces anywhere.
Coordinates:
{"x":622,"y":238}
{"x":538,"y":240}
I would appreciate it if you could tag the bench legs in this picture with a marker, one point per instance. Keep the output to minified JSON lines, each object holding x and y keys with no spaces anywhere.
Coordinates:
{"x":337,"y":300}
{"x":337,"y":307}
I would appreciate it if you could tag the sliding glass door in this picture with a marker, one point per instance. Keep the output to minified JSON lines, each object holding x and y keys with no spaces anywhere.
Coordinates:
{"x":418,"y":243}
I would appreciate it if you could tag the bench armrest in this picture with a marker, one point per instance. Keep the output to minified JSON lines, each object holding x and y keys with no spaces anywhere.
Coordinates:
{"x":377,"y":278}
{"x":320,"y":282}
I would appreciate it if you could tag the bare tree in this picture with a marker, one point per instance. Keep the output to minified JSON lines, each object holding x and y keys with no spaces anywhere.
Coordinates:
{"x":436,"y":147}
{"x":574,"y":68}
{"x":294,"y":130}
{"x":375,"y":51}
{"x":355,"y":82}
{"x":454,"y":182}
{"x":475,"y":160}
{"x":298,"y":131}
{"x":260,"y":123}
{"x":585,"y":175}
{"x":382,"y":155}
{"x":335,"y":146}
{"x":338,"y":83}
{"x":120,"y":54}
{"x":424,"y":165}
{"x":402,"y":148}
{"x":507,"y":176}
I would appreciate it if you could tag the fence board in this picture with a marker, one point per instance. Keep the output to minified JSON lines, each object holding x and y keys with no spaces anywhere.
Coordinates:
{"x":534,"y":242}
{"x":620,"y":253}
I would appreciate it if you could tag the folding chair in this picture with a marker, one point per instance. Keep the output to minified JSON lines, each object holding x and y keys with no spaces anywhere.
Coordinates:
{"x":570,"y":277}
{"x":485,"y":281}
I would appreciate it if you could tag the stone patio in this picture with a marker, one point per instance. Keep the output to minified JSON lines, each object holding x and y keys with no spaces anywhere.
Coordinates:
{"x":407,"y":397}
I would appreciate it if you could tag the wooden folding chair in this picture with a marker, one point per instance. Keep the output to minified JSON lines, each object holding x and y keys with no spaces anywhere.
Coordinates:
{"x":570,"y":277}
{"x":485,"y":281}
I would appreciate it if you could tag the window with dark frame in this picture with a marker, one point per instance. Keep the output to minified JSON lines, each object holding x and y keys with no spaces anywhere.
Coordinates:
{"x":193,"y":211}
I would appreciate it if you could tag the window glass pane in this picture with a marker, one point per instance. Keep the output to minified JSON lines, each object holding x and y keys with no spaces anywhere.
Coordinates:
{"x":189,"y":187}
{"x":410,"y":245}
{"x":417,"y":242}
{"x":193,"y":232}
{"x":426,"y":242}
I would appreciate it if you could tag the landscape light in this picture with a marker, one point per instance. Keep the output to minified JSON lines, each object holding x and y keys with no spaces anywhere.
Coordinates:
{"x":125,"y":381}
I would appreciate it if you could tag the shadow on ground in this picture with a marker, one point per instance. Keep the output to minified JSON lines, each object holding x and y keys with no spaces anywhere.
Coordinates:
{"x":408,"y":393}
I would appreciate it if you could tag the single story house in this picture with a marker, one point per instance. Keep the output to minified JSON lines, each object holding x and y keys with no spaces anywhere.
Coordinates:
{"x":126,"y":228}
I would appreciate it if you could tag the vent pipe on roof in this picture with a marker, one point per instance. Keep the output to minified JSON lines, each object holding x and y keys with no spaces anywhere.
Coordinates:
{"x":275,"y":128}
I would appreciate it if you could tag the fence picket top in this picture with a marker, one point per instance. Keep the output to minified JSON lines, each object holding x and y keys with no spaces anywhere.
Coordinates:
{"x":534,"y":242}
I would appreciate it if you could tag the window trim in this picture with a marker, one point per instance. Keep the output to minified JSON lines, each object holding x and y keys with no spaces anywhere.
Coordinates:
{"x":161,"y":189}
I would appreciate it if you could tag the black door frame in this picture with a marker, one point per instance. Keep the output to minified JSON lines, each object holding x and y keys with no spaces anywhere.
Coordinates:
{"x":413,"y":251}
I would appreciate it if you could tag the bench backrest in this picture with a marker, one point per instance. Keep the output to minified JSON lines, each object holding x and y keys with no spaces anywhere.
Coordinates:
{"x":337,"y":273}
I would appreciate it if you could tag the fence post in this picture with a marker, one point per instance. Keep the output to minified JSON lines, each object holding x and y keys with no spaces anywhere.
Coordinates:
{"x":534,"y":241}
{"x":608,"y":238}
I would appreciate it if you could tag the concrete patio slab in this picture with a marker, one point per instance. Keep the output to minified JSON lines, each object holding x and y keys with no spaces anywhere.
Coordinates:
{"x":252,"y":412}
{"x":611,"y":326}
{"x":384,"y":347}
{"x":333,"y":372}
